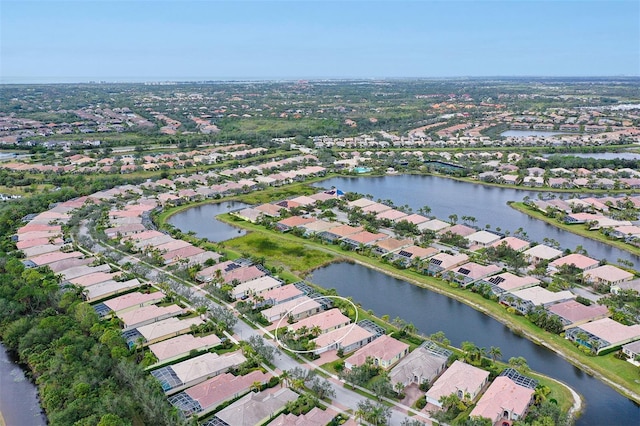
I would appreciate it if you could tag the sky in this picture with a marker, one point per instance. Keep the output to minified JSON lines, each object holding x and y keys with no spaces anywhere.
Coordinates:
{"x":51,"y":41}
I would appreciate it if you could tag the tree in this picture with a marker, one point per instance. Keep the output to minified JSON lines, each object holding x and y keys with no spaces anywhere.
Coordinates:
{"x":374,"y":413}
{"x":495,"y":353}
{"x":453,"y":218}
{"x":322,"y":388}
{"x":520,"y":364}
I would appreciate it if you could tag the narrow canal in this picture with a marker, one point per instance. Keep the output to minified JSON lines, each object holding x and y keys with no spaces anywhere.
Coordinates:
{"x":19,"y":402}
{"x":487,"y":204}
{"x":431,"y":312}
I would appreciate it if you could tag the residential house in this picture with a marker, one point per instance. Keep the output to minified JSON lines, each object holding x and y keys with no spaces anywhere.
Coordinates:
{"x":573,"y":314}
{"x":463,"y":380}
{"x":422,"y":365}
{"x":204,"y":397}
{"x":444,"y":262}
{"x":470,"y":272}
{"x":578,"y":260}
{"x":528,"y":298}
{"x":325,"y":321}
{"x":176,"y":377}
{"x":385,"y":351}
{"x":128,"y":302}
{"x":603,"y":334}
{"x":181,"y":346}
{"x":297,"y":309}
{"x":255,"y":287}
{"x":504,"y":402}
{"x":147,"y":315}
{"x":606,"y":275}
{"x":256,"y":408}
{"x":348,"y":338}
{"x":507,"y":282}
{"x":541,"y":252}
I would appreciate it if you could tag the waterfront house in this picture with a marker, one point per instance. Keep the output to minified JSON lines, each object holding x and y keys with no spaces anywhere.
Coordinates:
{"x":293,"y":222}
{"x":573,"y":314}
{"x":528,"y":298}
{"x":463,"y":380}
{"x":445,"y":261}
{"x":470,"y":272}
{"x":385,"y":351}
{"x":316,"y":227}
{"x":508,"y":282}
{"x":362,"y":239}
{"x":603,"y":334}
{"x":422,"y":365}
{"x":412,"y":254}
{"x":504,"y":402}
{"x":340,"y":231}
{"x":434,"y":225}
{"x":626,"y":285}
{"x":632,"y":351}
{"x":391,"y":245}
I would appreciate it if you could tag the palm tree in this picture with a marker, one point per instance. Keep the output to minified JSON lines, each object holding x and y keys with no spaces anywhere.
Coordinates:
{"x":285,"y":378}
{"x":495,"y":353}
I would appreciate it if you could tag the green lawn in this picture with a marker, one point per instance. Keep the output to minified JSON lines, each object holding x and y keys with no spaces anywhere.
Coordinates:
{"x":279,"y":251}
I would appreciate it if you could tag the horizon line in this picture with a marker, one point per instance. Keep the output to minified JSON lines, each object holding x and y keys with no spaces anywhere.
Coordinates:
{"x":137,"y":80}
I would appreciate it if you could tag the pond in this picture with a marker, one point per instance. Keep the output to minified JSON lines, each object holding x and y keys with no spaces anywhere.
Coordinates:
{"x":19,"y":403}
{"x":431,"y":312}
{"x":488,"y":204}
{"x":202,"y":220}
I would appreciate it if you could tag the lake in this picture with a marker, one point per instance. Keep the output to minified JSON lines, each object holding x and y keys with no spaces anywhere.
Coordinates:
{"x":431,"y":312}
{"x":19,"y":401}
{"x":488,"y":204}
{"x":202,"y":221}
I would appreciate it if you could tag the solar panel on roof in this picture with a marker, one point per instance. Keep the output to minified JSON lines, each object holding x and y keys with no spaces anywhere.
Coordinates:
{"x":496,"y":280}
{"x":405,"y":253}
{"x":519,"y":379}
{"x":436,"y":261}
{"x":464,"y":271}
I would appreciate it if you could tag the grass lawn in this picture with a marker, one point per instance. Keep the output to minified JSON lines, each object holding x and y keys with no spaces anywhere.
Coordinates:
{"x":280,"y":251}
